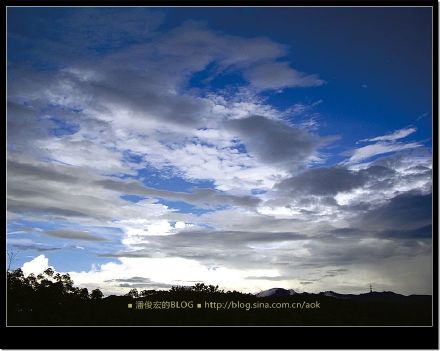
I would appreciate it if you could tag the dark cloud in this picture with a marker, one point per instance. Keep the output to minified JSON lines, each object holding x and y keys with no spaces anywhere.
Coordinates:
{"x":323,"y":181}
{"x":24,"y":128}
{"x":141,"y":95}
{"x":152,"y":286}
{"x":276,"y":75}
{"x":139,"y":283}
{"x":27,"y":244}
{"x":219,"y":237}
{"x":61,"y":190}
{"x":270,"y":278}
{"x":44,"y":171}
{"x":74,"y":235}
{"x":421,"y":233}
{"x":201,"y":197}
{"x":131,"y":280}
{"x":407,"y":211}
{"x":345,"y":233}
{"x":332,"y":180}
{"x":345,"y":251}
{"x":273,"y":141}
{"x":230,"y":248}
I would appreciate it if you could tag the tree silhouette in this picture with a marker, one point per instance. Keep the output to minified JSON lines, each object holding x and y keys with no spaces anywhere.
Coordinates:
{"x":133,"y":293}
{"x":96,"y":294}
{"x":145,"y":293}
{"x":49,"y":272}
{"x":201,"y":287}
{"x":82,"y":293}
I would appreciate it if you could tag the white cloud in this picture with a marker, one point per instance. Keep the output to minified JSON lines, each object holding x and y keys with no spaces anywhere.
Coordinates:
{"x":168,"y":270}
{"x":383,"y":145}
{"x":398,"y":134}
{"x":380,"y":148}
{"x":36,"y":266}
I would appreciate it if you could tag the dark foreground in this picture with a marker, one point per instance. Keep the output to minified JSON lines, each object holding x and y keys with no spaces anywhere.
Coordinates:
{"x":53,"y":300}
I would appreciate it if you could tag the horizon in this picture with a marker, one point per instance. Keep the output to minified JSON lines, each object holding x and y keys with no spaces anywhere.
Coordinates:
{"x":158,"y":147}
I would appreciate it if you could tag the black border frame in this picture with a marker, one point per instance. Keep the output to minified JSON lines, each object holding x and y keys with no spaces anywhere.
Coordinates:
{"x":237,"y":337}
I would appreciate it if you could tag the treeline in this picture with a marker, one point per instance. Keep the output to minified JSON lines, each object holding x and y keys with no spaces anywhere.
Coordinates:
{"x":52,"y":299}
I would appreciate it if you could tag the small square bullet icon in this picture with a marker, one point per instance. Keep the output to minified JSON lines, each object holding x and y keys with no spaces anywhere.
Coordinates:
{"x":199,"y":305}
{"x":130,"y":305}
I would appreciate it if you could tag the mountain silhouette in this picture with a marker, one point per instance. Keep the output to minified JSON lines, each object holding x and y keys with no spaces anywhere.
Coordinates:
{"x":274,"y":292}
{"x":373,"y":295}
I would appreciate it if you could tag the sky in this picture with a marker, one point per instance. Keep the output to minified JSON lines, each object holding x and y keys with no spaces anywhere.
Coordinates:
{"x":248,"y":148}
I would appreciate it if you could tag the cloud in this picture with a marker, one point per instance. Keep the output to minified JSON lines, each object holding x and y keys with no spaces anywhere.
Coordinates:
{"x":398,"y":134}
{"x":71,"y":192}
{"x":201,"y":197}
{"x":205,"y":243}
{"x":152,"y":114}
{"x":379,"y":148}
{"x":198,"y":45}
{"x":23,"y":128}
{"x":276,"y":75}
{"x":323,"y":181}
{"x":36,"y":265}
{"x":421,"y":233}
{"x":74,"y":235}
{"x":408,"y":211}
{"x":27,"y":244}
{"x":383,"y":145}
{"x":173,"y":271}
{"x":53,"y":191}
{"x":270,"y":278}
{"x":273,"y":141}
{"x":139,"y":283}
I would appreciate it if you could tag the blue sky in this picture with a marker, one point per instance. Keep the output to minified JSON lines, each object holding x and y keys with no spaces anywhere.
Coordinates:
{"x":263,"y":142}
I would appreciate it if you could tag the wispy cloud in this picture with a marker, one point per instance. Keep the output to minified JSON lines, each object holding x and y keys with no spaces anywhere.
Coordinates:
{"x":380,"y":148}
{"x":384,"y":144}
{"x":398,"y":134}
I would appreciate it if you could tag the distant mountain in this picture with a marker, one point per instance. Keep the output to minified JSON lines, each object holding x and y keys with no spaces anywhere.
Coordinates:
{"x":276,"y":292}
{"x":336,"y":295}
{"x":383,"y":295}
{"x":370,"y":296}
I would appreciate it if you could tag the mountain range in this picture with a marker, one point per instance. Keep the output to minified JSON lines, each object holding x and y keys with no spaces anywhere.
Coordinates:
{"x":373,"y":295}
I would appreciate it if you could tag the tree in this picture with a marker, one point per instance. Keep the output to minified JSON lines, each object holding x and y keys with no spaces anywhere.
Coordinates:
{"x":12,"y":255}
{"x":67,"y":282}
{"x":96,"y":294}
{"x":49,"y":272}
{"x":133,"y":293}
{"x":201,"y":287}
{"x":178,"y":288}
{"x":83,"y":293}
{"x":145,"y":293}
